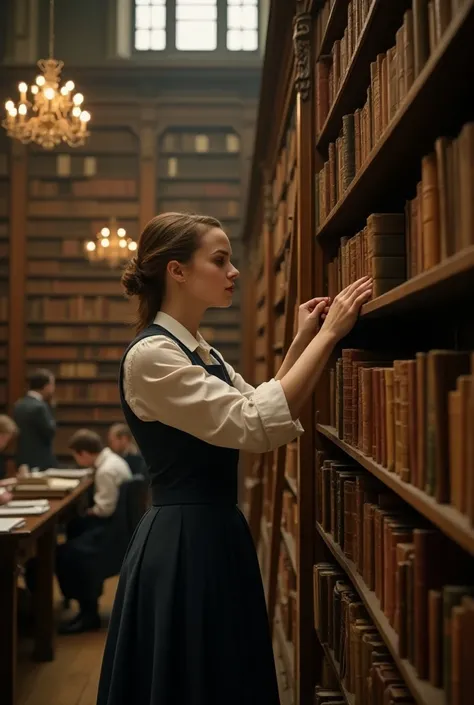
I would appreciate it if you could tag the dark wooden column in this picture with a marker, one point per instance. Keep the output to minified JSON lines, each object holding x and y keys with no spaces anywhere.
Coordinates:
{"x":17,"y":287}
{"x":305,"y":234}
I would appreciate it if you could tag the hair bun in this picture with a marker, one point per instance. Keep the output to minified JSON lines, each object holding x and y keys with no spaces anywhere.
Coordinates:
{"x":132,"y":279}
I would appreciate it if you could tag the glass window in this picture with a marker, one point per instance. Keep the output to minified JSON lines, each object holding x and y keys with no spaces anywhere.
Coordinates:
{"x":242,"y":25}
{"x":150,"y":25}
{"x":196,"y":25}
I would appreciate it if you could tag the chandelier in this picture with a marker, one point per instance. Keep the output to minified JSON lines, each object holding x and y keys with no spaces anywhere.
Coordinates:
{"x":112,"y":245}
{"x":53,"y":114}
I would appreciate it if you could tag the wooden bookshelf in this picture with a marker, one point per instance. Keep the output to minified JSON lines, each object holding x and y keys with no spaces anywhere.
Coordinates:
{"x":425,"y":308}
{"x":424,"y":693}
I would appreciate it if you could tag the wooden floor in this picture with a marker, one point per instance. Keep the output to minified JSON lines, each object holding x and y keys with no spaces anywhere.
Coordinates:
{"x":72,"y":678}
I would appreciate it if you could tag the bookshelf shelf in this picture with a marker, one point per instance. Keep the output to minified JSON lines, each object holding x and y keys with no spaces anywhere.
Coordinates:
{"x":445,"y":517}
{"x":422,"y":691}
{"x":446,"y":281}
{"x":409,"y":136}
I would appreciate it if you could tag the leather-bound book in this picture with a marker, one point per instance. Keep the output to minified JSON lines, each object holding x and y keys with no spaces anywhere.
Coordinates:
{"x":341,"y":588}
{"x":452,"y":597}
{"x":412,"y":427}
{"x":404,"y":403}
{"x":421,"y":420}
{"x":431,"y":221}
{"x":408,"y":50}
{"x":435,"y":637}
{"x":443,"y":369}
{"x":428,"y":575}
{"x":420,"y":34}
{"x":389,"y":419}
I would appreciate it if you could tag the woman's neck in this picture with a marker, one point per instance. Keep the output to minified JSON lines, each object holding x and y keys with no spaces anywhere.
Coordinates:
{"x":188,"y":316}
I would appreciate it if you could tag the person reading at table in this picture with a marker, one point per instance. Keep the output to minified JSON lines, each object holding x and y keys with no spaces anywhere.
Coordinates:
{"x":76,"y":558}
{"x":121,"y":441}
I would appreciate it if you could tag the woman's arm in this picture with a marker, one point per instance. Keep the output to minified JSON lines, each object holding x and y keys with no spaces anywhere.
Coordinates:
{"x":309,"y":316}
{"x":298,"y":384}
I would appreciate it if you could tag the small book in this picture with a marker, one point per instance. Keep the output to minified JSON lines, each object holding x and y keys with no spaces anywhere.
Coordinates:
{"x":7,"y":525}
{"x":24,"y":503}
{"x":7,"y":511}
{"x":68,"y":473}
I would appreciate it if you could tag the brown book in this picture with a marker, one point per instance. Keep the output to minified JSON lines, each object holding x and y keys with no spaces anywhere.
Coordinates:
{"x":441,"y":150}
{"x":400,"y":65}
{"x":389,"y":418}
{"x":421,"y":419}
{"x":431,"y":220}
{"x":419,"y":229}
{"x":455,"y":452}
{"x":442,"y":17}
{"x":466,"y":184}
{"x":322,"y":93}
{"x":443,"y":369}
{"x":401,"y":611}
{"x":435,"y":637}
{"x":408,"y":50}
{"x":404,"y":402}
{"x":428,"y":575}
{"x":432,"y":26}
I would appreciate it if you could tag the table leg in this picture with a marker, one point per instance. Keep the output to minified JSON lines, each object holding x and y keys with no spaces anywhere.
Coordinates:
{"x":8,"y":620}
{"x":43,"y":596}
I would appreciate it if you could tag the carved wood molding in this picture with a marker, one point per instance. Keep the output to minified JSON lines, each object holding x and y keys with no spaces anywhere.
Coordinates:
{"x":302,"y":49}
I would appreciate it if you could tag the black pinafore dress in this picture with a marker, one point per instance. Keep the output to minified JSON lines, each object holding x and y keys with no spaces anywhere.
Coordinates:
{"x":189,"y":624}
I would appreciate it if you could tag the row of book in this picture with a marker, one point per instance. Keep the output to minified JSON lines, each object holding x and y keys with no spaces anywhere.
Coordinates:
{"x":84,"y":417}
{"x":379,"y":251}
{"x":366,"y":669}
{"x":115,"y":188}
{"x":59,"y":353}
{"x":416,"y":573}
{"x":103,"y":392}
{"x":439,"y":219}
{"x":285,"y":164}
{"x":392,"y":73}
{"x":331,"y":69}
{"x":93,"y":309}
{"x":412,"y":417}
{"x":287,"y":595}
{"x":283,"y":217}
{"x":93,"y":333}
{"x":74,"y":287}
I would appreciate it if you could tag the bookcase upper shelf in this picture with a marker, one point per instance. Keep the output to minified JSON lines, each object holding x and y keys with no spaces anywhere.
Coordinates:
{"x":409,"y":136}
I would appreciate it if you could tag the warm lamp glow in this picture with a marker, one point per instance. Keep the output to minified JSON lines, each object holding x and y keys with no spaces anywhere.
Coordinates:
{"x":112,"y":245}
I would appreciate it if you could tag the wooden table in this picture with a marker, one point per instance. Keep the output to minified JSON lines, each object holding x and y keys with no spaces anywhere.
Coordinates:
{"x":40,"y":530}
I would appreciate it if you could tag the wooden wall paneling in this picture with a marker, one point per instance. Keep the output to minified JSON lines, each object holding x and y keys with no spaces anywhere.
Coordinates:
{"x":17,"y":288}
{"x":305,"y":228}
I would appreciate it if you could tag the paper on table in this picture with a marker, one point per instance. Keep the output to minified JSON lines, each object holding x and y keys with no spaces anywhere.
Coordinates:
{"x":6,"y":511}
{"x":72,"y":473}
{"x":7,"y":525}
{"x":15,"y":503}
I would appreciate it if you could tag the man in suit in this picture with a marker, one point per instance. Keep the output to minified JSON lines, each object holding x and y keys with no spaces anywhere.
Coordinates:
{"x":33,"y":414}
{"x":120,"y":440}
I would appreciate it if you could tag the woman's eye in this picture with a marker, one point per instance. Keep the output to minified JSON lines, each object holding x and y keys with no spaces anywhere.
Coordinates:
{"x":220,"y":262}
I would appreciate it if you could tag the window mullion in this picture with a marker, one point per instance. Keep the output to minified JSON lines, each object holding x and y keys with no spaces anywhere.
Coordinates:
{"x":171,"y":25}
{"x":221,"y":25}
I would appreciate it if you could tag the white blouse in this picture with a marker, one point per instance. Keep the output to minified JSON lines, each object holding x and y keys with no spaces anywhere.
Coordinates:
{"x":161,"y":384}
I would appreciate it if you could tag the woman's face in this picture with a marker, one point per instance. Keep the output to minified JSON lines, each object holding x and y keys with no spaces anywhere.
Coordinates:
{"x":210,"y":276}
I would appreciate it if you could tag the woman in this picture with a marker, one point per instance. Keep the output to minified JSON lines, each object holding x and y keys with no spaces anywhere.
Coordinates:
{"x":189,"y":624}
{"x":8,"y":430}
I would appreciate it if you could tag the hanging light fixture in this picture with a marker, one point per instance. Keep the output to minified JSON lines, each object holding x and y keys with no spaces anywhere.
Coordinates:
{"x":112,"y":245}
{"x":52,"y":114}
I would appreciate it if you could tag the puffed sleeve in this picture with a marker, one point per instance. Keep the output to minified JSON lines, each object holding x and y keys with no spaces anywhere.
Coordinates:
{"x":161,"y":384}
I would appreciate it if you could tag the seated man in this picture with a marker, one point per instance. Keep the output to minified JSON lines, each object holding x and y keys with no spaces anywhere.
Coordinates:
{"x":77,"y":559}
{"x":121,"y":441}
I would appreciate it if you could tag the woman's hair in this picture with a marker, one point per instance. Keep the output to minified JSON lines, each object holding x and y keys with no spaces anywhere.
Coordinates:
{"x":7,"y":425}
{"x":169,"y":236}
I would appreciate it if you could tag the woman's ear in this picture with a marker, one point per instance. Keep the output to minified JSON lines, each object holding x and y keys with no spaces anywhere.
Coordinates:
{"x":176,"y":270}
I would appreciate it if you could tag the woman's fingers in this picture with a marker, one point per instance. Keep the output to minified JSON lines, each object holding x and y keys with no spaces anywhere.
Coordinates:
{"x":349,"y":290}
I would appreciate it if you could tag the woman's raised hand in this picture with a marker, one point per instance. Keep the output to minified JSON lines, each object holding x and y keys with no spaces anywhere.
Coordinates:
{"x":345,"y":308}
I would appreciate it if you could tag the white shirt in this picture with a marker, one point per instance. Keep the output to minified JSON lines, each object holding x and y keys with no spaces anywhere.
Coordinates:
{"x":161,"y":384}
{"x":111,"y":472}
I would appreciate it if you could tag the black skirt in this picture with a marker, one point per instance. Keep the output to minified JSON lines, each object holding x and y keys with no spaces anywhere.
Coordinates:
{"x":189,"y":624}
